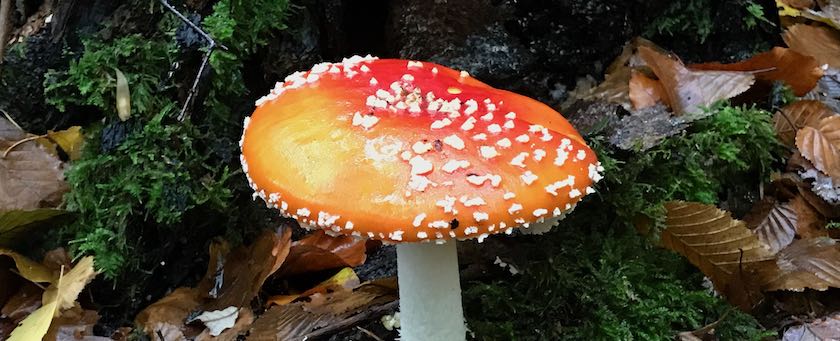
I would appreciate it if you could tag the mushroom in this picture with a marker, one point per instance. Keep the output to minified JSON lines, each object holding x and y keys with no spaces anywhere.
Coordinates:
{"x":416,"y":154}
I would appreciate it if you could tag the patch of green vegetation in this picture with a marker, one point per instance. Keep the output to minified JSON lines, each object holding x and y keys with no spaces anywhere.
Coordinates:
{"x":155,"y":175}
{"x":696,"y":18}
{"x":727,"y":153}
{"x":592,"y":284}
{"x":137,"y":180}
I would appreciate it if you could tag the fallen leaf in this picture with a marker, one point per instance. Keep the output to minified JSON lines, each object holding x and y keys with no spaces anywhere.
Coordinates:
{"x":219,"y":320}
{"x":809,"y":222}
{"x":805,"y":264}
{"x":827,"y":90}
{"x":799,"y":71}
{"x":247,"y":268}
{"x":344,"y":279}
{"x":60,"y":295}
{"x":165,"y":318}
{"x":30,"y":177}
{"x":824,"y":329}
{"x":326,"y":313}
{"x":23,"y":303}
{"x":18,"y":224}
{"x":67,"y":289}
{"x":798,"y":4}
{"x":73,"y":324}
{"x":319,"y":251}
{"x":644,"y":91}
{"x":29,"y":269}
{"x":246,"y":318}
{"x":821,"y":145}
{"x":123,"y":96}
{"x":819,"y":42}
{"x":829,"y":13}
{"x":646,"y":128}
{"x":689,"y":91}
{"x":778,"y":228}
{"x":804,"y":113}
{"x":69,"y":140}
{"x":721,"y":247}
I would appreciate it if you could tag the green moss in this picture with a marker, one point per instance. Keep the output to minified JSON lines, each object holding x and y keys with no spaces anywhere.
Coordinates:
{"x":138,"y":180}
{"x":725,"y":154}
{"x":696,"y":18}
{"x":591,"y":284}
{"x":153,"y":177}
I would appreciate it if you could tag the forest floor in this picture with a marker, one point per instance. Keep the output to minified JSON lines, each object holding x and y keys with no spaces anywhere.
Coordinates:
{"x":125,"y":214}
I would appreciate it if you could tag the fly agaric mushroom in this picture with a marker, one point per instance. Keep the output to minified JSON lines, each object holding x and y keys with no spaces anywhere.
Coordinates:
{"x":409,"y":152}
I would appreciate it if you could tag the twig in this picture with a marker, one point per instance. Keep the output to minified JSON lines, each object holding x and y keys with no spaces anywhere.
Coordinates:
{"x":369,"y":333}
{"x":30,"y":138}
{"x":5,"y":25}
{"x":211,"y":45}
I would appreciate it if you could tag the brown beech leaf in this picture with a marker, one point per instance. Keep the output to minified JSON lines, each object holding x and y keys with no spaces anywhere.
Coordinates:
{"x":822,"y":43}
{"x":809,"y":223}
{"x":721,"y":247}
{"x":325,"y":313}
{"x":30,"y":177}
{"x":821,"y":146}
{"x":166,"y":316}
{"x":645,"y":92}
{"x":688,"y":91}
{"x":804,"y":113}
{"x":247,"y":268}
{"x":778,"y":228}
{"x":74,"y":324}
{"x":805,"y":264}
{"x":799,"y":71}
{"x":319,"y":251}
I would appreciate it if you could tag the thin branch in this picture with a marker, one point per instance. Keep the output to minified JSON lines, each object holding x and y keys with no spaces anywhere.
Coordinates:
{"x":211,"y":45}
{"x":22,"y":141}
{"x":5,"y":25}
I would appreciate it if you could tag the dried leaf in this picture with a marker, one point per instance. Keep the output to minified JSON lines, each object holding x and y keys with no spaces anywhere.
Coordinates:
{"x":324,"y":314}
{"x":246,"y":268}
{"x":827,"y":328}
{"x":246,"y":318}
{"x":721,"y":247}
{"x":344,"y":279}
{"x":805,"y":264}
{"x":68,"y":287}
{"x":17,"y":224}
{"x":73,"y":324}
{"x":23,"y":303}
{"x":58,"y":296}
{"x":219,"y":320}
{"x":778,"y":228}
{"x":799,"y":71}
{"x":30,"y":177}
{"x":819,"y":42}
{"x":645,"y":92}
{"x":798,"y":4}
{"x":123,"y":96}
{"x":29,"y":269}
{"x":804,"y":113}
{"x":319,"y":251}
{"x":166,"y":316}
{"x":688,"y":91}
{"x":809,"y":222}
{"x":821,"y":146}
{"x":69,"y":140}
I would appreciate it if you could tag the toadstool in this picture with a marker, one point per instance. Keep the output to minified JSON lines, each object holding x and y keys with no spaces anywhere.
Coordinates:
{"x":416,"y":154}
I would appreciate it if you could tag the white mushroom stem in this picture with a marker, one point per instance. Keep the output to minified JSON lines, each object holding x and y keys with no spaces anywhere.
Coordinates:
{"x":430,"y":292}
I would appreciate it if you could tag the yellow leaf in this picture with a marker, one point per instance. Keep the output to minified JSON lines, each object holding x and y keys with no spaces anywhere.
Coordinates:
{"x":68,"y":288}
{"x":123,"y":96}
{"x":16,"y":224}
{"x":59,"y":295}
{"x":70,"y":140}
{"x":35,"y":326}
{"x":346,"y":278}
{"x":787,"y":11}
{"x":29,"y":269}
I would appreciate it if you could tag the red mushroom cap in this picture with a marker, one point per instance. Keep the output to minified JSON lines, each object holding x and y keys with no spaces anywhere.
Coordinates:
{"x":406,"y":151}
